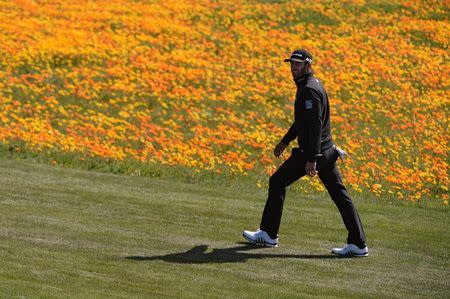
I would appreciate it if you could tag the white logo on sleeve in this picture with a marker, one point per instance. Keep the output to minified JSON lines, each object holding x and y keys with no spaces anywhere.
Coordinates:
{"x":308,"y":104}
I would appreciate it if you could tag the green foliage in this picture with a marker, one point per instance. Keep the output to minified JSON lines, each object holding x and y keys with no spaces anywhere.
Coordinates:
{"x":73,"y":233}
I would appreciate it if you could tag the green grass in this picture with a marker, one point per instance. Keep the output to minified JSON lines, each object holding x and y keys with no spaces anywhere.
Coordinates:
{"x":75,"y":233}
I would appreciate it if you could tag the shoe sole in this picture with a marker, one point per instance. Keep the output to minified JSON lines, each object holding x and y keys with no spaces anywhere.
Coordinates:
{"x":351,"y":255}
{"x":259,"y":244}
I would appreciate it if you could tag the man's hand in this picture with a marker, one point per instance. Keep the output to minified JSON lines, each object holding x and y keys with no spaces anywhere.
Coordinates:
{"x":311,"y":168}
{"x":279,"y":148}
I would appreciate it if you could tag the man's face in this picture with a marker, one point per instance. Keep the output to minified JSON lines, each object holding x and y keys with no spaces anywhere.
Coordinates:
{"x":298,"y":69}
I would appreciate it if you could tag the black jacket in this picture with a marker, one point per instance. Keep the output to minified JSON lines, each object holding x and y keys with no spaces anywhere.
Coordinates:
{"x":312,"y":118}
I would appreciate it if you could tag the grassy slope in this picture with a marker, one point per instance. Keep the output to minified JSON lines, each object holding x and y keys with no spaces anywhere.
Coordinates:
{"x":68,"y":233}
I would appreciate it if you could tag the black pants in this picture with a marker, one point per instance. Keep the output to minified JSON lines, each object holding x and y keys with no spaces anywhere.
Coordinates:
{"x":293,"y":169}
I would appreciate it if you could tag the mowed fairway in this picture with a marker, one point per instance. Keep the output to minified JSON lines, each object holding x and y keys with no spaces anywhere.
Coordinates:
{"x":72,"y":233}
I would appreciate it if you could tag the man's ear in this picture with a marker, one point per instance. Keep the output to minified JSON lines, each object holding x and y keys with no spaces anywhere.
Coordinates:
{"x":308,"y":67}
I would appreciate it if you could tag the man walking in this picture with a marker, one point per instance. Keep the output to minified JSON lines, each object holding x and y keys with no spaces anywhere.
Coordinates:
{"x":316,"y":154}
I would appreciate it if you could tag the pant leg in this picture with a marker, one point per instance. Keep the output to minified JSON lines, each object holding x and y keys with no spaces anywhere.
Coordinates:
{"x":332,"y":179}
{"x":291,"y":170}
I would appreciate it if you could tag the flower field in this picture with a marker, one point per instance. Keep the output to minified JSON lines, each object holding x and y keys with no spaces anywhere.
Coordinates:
{"x":202,"y":84}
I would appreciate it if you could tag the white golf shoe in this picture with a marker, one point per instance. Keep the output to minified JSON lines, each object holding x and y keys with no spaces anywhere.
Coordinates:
{"x":260,"y":238}
{"x":351,"y":250}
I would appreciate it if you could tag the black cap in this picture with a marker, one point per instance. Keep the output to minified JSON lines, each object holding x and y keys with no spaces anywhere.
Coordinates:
{"x":300,"y":56}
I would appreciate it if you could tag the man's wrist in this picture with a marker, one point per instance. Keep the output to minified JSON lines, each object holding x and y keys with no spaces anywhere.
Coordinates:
{"x":311,"y":158}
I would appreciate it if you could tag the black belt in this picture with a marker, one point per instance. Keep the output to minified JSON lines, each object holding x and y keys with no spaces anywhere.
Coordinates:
{"x":320,"y":155}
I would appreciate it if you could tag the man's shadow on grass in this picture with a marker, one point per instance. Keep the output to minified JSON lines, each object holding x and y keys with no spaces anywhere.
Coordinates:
{"x":198,"y":255}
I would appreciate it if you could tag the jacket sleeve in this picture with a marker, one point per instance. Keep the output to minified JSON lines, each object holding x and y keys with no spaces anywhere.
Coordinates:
{"x":312,"y":108}
{"x":290,"y":135}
